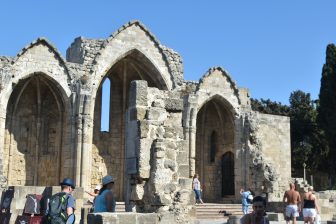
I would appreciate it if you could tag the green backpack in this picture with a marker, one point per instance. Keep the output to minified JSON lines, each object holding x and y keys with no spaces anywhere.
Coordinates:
{"x":57,"y":208}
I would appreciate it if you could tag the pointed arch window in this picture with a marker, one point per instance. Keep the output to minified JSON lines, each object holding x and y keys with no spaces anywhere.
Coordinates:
{"x":105,"y":106}
{"x":213,"y":146}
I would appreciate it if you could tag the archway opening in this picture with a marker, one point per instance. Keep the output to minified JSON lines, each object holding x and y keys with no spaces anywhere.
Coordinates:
{"x":214,"y":137}
{"x":109,"y":146}
{"x":34,"y":133}
{"x":228,"y":174}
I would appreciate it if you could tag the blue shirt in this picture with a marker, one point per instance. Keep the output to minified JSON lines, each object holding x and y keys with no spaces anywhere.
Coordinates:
{"x":71,"y":201}
{"x":100,"y":202}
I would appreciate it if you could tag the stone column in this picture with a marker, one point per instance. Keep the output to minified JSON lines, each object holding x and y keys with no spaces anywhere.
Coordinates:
{"x":136,"y":132}
{"x":87,"y":130}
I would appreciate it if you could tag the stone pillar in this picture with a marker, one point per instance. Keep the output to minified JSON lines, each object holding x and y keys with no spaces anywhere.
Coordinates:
{"x":135,"y":152}
{"x":78,"y":149}
{"x":86,"y":150}
{"x":192,"y":141}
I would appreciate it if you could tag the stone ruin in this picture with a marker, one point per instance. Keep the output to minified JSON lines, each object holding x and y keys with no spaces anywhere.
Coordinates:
{"x":161,"y":129}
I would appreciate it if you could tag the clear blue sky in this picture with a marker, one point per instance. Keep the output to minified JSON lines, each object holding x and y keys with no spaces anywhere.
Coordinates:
{"x":270,"y":47}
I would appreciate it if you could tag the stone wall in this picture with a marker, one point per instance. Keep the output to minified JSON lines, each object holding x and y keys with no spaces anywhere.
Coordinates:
{"x":270,"y":154}
{"x":161,"y":182}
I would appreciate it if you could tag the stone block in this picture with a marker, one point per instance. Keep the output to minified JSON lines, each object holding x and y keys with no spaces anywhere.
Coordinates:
{"x":183,"y":196}
{"x":159,"y":154}
{"x":185,"y":183}
{"x":169,"y":188}
{"x":167,"y":218}
{"x":173,"y":105}
{"x":127,"y":218}
{"x":150,"y":218}
{"x":138,"y":113}
{"x":138,"y":93}
{"x":183,"y":171}
{"x":170,"y":164}
{"x":158,"y":103}
{"x":156,"y":114}
{"x":171,"y":154}
{"x":103,"y":218}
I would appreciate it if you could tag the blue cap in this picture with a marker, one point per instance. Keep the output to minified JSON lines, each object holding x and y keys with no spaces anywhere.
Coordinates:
{"x":68,"y":182}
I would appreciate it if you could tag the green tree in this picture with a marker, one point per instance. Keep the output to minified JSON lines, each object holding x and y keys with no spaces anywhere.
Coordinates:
{"x":327,"y":107}
{"x":269,"y":107}
{"x":307,"y":140}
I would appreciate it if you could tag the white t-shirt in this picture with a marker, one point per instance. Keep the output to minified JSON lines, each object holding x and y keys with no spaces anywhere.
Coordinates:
{"x":197,"y":184}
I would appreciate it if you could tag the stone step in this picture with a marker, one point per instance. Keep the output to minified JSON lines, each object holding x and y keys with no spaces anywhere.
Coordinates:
{"x":218,"y":211}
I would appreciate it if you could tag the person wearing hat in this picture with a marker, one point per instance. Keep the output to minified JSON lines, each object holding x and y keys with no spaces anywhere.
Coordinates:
{"x":66,"y":201}
{"x":68,"y":186}
{"x":105,"y":201}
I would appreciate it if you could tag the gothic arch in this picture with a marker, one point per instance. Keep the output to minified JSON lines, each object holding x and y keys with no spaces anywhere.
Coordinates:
{"x":138,"y":38}
{"x":108,"y":147}
{"x":35,"y":129}
{"x":215,"y":115}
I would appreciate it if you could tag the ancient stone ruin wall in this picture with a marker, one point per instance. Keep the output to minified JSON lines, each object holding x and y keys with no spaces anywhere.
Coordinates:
{"x":270,"y":156}
{"x":162,"y":182}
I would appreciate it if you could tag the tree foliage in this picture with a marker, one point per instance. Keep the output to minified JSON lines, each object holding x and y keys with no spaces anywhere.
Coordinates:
{"x":269,"y":107}
{"x":307,"y":139}
{"x":327,"y":105}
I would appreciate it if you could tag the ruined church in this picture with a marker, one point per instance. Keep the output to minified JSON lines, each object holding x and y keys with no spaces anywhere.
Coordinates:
{"x":161,"y":129}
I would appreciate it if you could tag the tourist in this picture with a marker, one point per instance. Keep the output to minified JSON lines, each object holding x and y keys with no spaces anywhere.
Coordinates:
{"x":309,"y":206}
{"x":245,"y":204}
{"x":197,"y":188}
{"x":293,"y":199}
{"x":258,"y":216}
{"x":95,"y":192}
{"x":61,"y":206}
{"x":105,"y":201}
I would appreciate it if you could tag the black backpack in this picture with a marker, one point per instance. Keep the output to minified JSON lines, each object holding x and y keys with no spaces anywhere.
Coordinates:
{"x":57,"y":208}
{"x":33,"y":204}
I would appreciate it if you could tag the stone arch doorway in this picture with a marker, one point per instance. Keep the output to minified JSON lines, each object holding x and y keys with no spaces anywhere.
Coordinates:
{"x":228,"y":174}
{"x":34,"y":133}
{"x":109,"y":146}
{"x":214,"y":137}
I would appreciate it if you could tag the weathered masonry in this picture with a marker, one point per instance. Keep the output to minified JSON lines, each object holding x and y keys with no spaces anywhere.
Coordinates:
{"x":161,"y":129}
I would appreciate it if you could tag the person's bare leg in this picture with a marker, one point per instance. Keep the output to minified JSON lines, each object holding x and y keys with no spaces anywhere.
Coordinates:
{"x":294,"y":220}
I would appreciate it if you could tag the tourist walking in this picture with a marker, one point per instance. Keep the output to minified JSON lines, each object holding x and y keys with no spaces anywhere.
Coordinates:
{"x":61,"y":206}
{"x":310,"y":208}
{"x":292,"y":199}
{"x":258,"y":216}
{"x":197,"y":188}
{"x":245,"y":200}
{"x":105,"y":201}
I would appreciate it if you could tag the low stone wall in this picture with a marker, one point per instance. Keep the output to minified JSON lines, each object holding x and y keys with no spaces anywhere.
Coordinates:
{"x":124,"y":218}
{"x":133,"y":218}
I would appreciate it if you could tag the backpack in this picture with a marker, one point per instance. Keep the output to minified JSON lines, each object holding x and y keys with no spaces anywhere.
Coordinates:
{"x":57,"y":208}
{"x":33,"y":204}
{"x":250,"y":198}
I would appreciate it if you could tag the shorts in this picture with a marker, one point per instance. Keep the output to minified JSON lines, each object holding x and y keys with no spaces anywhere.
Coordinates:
{"x":309,"y":212}
{"x":291,"y":211}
